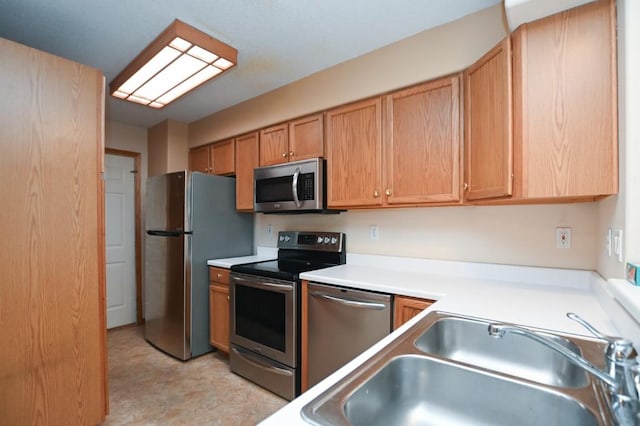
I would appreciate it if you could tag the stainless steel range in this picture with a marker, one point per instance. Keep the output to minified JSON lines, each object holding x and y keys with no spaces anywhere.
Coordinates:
{"x":265,"y":309}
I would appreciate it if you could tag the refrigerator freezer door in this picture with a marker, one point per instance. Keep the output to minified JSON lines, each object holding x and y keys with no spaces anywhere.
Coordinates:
{"x":167,"y":301}
{"x":166,"y":204}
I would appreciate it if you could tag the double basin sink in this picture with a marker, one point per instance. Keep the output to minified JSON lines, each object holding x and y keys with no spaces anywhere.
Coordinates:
{"x":447,"y":369}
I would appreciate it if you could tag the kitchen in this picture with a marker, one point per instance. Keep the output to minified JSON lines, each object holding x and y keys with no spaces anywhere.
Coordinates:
{"x":470,"y":233}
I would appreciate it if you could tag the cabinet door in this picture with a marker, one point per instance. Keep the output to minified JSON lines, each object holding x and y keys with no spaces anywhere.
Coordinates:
{"x":199,"y":159}
{"x":219,"y":316}
{"x":274,"y":145}
{"x":488,"y":136}
{"x":422,"y":142}
{"x":247,"y":149}
{"x":565,"y":104}
{"x":406,"y":308}
{"x":306,"y":138}
{"x":223,"y":158}
{"x":354,"y":155}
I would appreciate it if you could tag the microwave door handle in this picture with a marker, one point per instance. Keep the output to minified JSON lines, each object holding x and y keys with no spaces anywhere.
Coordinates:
{"x":294,"y":187}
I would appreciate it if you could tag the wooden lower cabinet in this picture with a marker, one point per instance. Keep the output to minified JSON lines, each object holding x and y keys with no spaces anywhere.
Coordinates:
{"x":406,"y":307}
{"x":219,"y":308}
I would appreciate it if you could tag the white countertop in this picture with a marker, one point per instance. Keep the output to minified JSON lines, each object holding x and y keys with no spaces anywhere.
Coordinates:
{"x":538,"y":297}
{"x":263,"y":253}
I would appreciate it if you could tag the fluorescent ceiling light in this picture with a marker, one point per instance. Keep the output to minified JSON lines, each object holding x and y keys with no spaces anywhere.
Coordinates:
{"x":180,"y":59}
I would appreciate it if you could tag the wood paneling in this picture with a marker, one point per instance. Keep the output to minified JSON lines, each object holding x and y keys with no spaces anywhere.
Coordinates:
{"x":354,"y":154}
{"x":488,"y":125}
{"x":52,"y":357}
{"x":422,"y":142}
{"x":247,"y":157}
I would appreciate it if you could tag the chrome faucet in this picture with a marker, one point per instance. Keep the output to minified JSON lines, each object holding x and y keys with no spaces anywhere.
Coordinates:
{"x":622,"y":368}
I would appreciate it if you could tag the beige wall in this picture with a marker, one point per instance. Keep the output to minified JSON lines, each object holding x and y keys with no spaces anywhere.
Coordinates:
{"x":167,"y":145}
{"x":427,"y":55}
{"x":522,"y":235}
{"x":623,"y":211}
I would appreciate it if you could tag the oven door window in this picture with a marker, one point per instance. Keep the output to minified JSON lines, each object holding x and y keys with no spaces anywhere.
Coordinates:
{"x":261,"y":316}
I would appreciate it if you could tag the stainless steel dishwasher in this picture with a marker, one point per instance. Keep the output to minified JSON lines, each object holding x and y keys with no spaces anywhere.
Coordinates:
{"x":343,"y":322}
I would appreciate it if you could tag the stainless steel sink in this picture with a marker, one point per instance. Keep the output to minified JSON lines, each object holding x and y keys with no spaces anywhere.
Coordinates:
{"x":443,"y":371}
{"x":417,"y":390}
{"x":467,"y":341}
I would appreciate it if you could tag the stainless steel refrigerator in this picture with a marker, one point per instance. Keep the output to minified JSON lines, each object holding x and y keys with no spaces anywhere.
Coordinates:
{"x":190,"y":218}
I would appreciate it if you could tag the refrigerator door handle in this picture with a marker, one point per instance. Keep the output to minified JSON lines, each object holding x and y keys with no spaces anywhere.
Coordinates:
{"x":165,"y":233}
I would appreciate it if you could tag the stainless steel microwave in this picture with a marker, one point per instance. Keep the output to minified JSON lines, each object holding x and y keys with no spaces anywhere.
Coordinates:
{"x":295,"y":187}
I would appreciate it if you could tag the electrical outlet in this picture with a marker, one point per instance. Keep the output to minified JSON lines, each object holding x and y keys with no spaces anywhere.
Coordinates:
{"x":608,"y":242}
{"x":617,"y":244}
{"x":270,"y":230}
{"x":563,"y":237}
{"x":373,"y":232}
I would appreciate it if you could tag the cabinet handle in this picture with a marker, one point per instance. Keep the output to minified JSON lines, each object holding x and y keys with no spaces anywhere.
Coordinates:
{"x":376,"y":193}
{"x":228,"y":298}
{"x":388,"y":192}
{"x":290,"y":153}
{"x":284,"y":155}
{"x":465,"y":186}
{"x":219,"y":275}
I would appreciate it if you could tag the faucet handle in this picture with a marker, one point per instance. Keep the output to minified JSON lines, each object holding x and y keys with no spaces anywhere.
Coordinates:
{"x":618,"y":349}
{"x":575,"y":317}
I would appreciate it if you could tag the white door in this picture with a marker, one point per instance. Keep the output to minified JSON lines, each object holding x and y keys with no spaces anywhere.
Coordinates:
{"x":120,"y":240}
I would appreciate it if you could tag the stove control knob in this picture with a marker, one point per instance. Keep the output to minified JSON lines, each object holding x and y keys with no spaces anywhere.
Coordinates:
{"x":287,"y":238}
{"x":334,"y":240}
{"x":320,"y":240}
{"x":281,"y":238}
{"x":326,"y":240}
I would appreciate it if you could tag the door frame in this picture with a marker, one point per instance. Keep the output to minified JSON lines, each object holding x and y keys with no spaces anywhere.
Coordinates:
{"x":136,"y":207}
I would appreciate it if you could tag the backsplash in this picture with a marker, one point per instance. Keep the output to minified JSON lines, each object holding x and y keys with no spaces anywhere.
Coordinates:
{"x":517,"y":235}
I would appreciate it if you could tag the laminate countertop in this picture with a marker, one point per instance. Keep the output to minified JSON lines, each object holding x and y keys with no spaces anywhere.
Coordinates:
{"x":532,"y":296}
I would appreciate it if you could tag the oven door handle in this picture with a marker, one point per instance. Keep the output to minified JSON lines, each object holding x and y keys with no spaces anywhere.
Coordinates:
{"x":350,"y":303}
{"x":294,"y":187}
{"x":261,"y":364}
{"x":264,"y":285}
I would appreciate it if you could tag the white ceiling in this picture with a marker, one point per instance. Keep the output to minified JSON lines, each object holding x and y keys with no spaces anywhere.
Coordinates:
{"x":278,"y":41}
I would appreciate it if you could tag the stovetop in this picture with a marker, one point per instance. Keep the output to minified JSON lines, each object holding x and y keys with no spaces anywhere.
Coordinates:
{"x":299,"y":252}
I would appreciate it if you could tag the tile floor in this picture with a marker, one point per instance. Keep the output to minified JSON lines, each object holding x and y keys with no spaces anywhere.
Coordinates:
{"x":148,"y":387}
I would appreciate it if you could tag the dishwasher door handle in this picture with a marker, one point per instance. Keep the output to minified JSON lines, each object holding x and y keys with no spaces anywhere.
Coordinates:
{"x":351,"y":303}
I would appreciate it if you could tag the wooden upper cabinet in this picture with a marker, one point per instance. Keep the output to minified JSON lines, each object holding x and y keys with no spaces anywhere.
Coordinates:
{"x":488,"y":142}
{"x":296,"y":140}
{"x":246,"y":153}
{"x":200,"y":159}
{"x":565,"y":105}
{"x":422,"y":143}
{"x":354,"y":154}
{"x":306,"y":138}
{"x":274,"y":145}
{"x":223,"y":157}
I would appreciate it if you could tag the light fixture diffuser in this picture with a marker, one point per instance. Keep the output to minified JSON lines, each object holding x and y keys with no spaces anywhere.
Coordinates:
{"x":180,"y":59}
